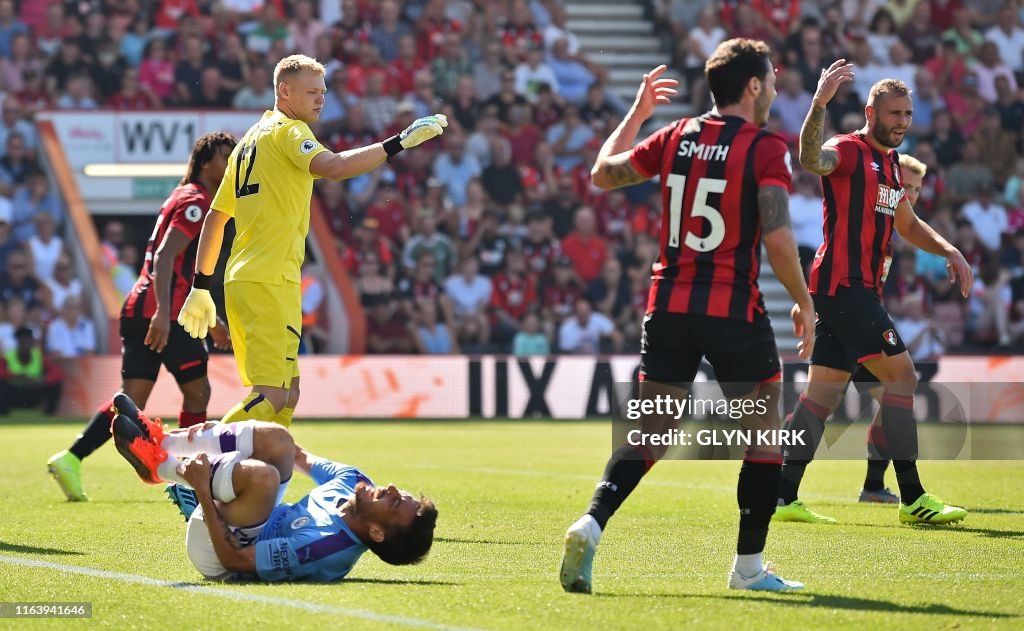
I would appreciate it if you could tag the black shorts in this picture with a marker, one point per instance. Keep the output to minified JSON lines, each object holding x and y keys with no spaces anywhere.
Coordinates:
{"x":852,"y":328}
{"x":184,"y":357}
{"x":864,"y":380}
{"x":742,"y":354}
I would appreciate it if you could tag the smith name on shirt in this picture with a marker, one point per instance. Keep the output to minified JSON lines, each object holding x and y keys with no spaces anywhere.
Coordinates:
{"x":688,"y":149}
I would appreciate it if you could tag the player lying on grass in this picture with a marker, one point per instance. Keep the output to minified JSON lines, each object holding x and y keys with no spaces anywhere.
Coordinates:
{"x":240,"y":472}
{"x":150,"y":334}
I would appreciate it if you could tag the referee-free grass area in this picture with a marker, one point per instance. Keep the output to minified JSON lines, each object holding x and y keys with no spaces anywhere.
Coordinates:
{"x":506,"y":491}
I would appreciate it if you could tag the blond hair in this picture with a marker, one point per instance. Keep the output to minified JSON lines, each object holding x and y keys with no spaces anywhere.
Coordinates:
{"x":293,"y":65}
{"x":887,"y":87}
{"x":912,"y":164}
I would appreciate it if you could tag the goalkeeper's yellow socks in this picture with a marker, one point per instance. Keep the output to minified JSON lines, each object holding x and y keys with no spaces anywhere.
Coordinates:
{"x":253,"y":407}
{"x":284,"y":417}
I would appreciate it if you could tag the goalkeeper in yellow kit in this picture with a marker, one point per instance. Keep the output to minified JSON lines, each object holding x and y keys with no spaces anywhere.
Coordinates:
{"x":267,"y":189}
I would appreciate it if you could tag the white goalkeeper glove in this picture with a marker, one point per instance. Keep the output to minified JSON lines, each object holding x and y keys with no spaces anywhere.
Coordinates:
{"x":198,"y":315}
{"x":422,"y":130}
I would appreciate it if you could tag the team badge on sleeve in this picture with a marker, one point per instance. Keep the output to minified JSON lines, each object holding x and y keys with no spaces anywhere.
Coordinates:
{"x":307,"y":146}
{"x":193,"y":213}
{"x":890,"y":337}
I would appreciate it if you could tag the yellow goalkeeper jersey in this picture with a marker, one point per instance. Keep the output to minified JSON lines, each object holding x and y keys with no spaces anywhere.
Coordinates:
{"x":267,"y":188}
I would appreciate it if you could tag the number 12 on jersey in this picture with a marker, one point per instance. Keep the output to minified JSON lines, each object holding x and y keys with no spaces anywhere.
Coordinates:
{"x":705,"y":186}
{"x":247,"y":158}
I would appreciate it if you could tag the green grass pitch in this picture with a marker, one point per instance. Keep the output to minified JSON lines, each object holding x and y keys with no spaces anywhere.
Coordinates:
{"x":506,"y":492}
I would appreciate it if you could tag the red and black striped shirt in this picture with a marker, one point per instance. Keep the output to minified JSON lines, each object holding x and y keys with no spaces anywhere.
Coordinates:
{"x":184,"y":210}
{"x":710,"y":254}
{"x":860,"y":200}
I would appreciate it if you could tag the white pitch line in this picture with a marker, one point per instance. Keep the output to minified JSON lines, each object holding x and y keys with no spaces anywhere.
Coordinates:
{"x":231,"y":594}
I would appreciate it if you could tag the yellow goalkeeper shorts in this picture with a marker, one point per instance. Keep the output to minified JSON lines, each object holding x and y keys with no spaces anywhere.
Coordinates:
{"x":265,"y":322}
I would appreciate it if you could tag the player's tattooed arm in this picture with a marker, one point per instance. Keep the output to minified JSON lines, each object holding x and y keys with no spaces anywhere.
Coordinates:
{"x":615,"y":172}
{"x":773,"y":206}
{"x":813,"y":157}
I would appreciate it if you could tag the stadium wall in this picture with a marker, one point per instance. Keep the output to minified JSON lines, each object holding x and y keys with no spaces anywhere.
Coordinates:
{"x":561,"y":387}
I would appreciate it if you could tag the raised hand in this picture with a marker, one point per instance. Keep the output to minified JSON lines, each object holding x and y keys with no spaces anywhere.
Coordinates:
{"x":654,"y":91}
{"x":831,"y":78}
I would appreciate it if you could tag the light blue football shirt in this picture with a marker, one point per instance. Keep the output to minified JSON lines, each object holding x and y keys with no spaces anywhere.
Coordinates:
{"x":309,"y":540}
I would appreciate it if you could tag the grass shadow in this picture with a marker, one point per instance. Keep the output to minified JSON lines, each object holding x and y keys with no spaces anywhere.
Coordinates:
{"x":995,"y":511}
{"x":491,"y":542}
{"x":17,"y":547}
{"x":831,"y":601}
{"x":367,"y":581}
{"x":955,"y":528}
{"x":396,"y":581}
{"x":992,"y":532}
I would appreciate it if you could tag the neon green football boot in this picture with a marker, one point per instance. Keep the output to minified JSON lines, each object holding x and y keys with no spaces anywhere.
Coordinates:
{"x":798,"y":511}
{"x":66,"y":469}
{"x":929,"y":509}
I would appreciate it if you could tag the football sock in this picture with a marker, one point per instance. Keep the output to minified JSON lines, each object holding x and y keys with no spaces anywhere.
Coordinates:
{"x":218,"y":439}
{"x":878,"y":459}
{"x":748,"y":564}
{"x":223,"y":468}
{"x":188,"y":419}
{"x":623,"y":472}
{"x":281,"y":491}
{"x":901,"y":437}
{"x":221,"y":484}
{"x":756,"y":493}
{"x":908,"y":480}
{"x":96,"y":432}
{"x":284,"y":417}
{"x":254,"y":407}
{"x":809,"y":417}
{"x":168,"y":471}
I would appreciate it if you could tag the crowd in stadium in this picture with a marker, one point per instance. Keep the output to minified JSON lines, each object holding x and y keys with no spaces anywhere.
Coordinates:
{"x":494,"y":239}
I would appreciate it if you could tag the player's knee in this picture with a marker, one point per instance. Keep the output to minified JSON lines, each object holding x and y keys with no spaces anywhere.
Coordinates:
{"x":277,"y":397}
{"x":273,"y":441}
{"x":196,"y":394}
{"x":261,"y":478}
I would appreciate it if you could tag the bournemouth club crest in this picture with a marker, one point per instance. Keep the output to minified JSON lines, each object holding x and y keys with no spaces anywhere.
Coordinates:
{"x":890,"y":337}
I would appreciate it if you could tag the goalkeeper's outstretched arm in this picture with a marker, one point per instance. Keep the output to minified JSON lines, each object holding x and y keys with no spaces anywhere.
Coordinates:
{"x":346,"y":164}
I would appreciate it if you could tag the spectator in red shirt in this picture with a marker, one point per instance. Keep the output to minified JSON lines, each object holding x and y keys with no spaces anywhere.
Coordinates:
{"x":584,"y":247}
{"x":513,"y":296}
{"x":781,"y":16}
{"x":171,"y":12}
{"x":522,"y":133}
{"x":431,"y":28}
{"x":387,"y":328}
{"x":388,"y":208}
{"x":133,"y":96}
{"x":401,"y":72}
{"x":560,"y":293}
{"x":369,"y":243}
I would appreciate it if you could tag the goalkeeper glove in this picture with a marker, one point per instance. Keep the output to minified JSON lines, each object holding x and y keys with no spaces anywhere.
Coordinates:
{"x":198,"y":315}
{"x":422,"y":130}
